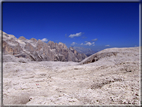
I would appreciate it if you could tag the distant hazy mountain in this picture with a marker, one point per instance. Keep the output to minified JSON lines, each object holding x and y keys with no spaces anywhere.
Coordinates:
{"x":86,"y":51}
{"x":38,"y":50}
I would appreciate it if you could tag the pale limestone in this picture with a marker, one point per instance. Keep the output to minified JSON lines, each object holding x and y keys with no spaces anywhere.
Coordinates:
{"x":113,"y":80}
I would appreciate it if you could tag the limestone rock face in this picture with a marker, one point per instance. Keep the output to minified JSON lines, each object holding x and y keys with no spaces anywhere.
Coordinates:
{"x":79,"y":56}
{"x":52,"y":44}
{"x":12,"y":48}
{"x":37,"y":50}
{"x":65,"y":54}
{"x":62,"y":45}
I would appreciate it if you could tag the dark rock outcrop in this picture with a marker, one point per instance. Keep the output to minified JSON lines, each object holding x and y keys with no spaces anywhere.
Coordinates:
{"x":37,"y":50}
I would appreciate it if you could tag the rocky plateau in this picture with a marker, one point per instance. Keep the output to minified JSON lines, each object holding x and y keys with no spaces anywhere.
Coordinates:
{"x":109,"y":77}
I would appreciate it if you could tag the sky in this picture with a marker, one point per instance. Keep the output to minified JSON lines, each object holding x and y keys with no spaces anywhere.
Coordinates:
{"x":91,"y":25}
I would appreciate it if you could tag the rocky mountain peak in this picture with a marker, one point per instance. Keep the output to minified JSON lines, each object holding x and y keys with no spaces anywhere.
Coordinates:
{"x":52,"y":44}
{"x":7,"y":36}
{"x":33,"y":39}
{"x":22,"y":38}
{"x":40,"y":41}
{"x":62,"y":45}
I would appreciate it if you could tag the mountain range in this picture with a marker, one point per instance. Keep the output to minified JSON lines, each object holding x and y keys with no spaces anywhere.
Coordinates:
{"x":37,"y":50}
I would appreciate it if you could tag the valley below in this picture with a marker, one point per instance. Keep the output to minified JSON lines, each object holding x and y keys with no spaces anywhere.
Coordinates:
{"x":112,"y":79}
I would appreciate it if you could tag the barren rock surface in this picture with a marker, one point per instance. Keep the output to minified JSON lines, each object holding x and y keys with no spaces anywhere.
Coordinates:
{"x":111,"y":80}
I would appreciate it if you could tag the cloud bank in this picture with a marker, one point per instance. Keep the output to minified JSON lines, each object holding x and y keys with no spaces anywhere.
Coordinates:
{"x":75,"y":35}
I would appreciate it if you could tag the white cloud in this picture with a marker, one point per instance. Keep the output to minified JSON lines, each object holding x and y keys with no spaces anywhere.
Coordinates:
{"x":94,"y":39}
{"x":107,"y":45}
{"x":81,"y":44}
{"x":44,"y":40}
{"x":73,"y":43}
{"x":75,"y":35}
{"x":88,"y":43}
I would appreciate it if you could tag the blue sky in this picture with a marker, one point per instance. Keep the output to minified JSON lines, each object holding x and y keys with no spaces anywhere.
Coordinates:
{"x":91,"y":25}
